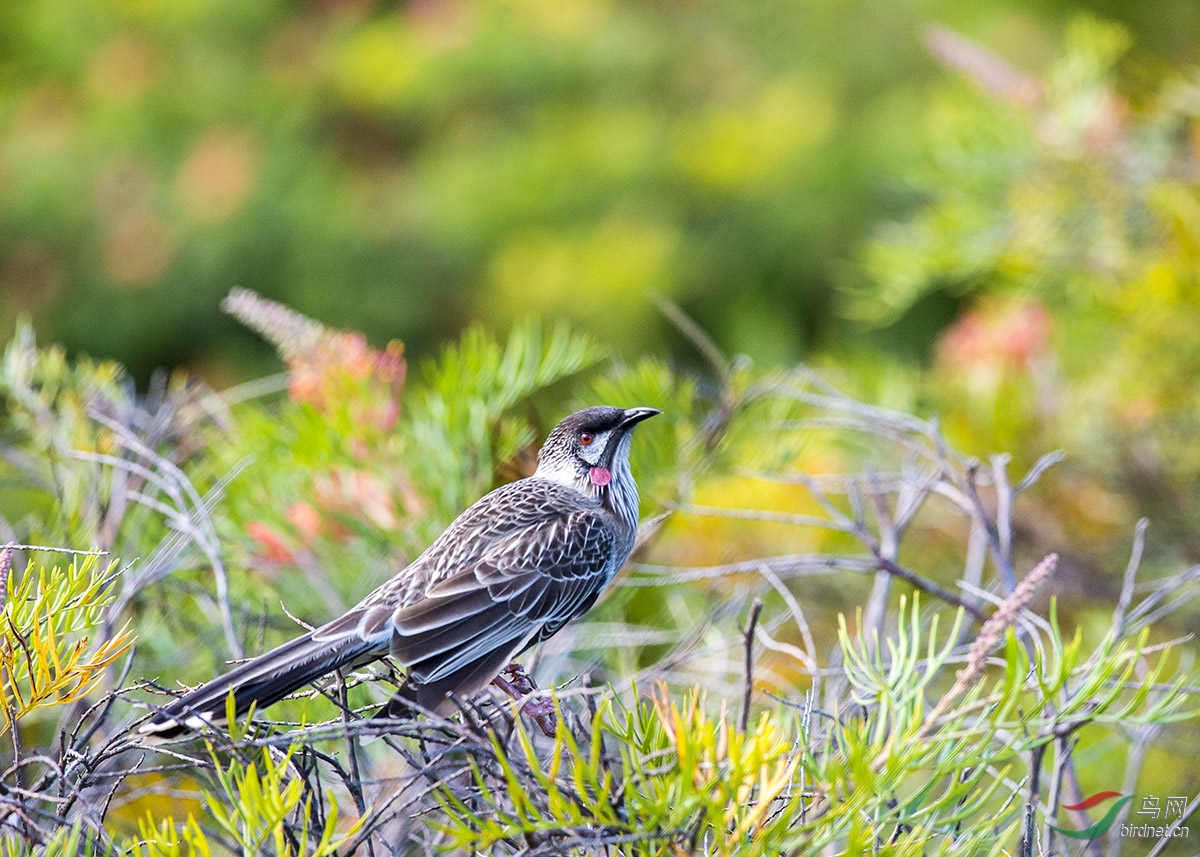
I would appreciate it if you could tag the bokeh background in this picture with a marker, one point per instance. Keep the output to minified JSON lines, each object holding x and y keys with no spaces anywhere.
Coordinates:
{"x":404,"y":168}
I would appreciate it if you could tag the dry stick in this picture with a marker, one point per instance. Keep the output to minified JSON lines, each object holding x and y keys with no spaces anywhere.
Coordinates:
{"x":179,"y":488}
{"x":1063,"y":748}
{"x":1059,"y":732}
{"x":351,"y":750}
{"x":991,"y":72}
{"x":973,"y":565}
{"x":1004,"y":501}
{"x":17,"y":767}
{"x":798,"y":617}
{"x":729,"y":400}
{"x":1025,"y":846}
{"x":51,"y":549}
{"x":1039,"y":467}
{"x":881,"y":420}
{"x":791,"y":565}
{"x":695,"y":334}
{"x":888,"y":543}
{"x":112,"y":792}
{"x":1135,"y":560}
{"x":62,"y":756}
{"x":926,"y":585}
{"x":1003,"y":563}
{"x":749,"y":686}
{"x":883,"y":563}
{"x":797,"y":520}
{"x":1151,"y":608}
{"x":79,"y":742}
{"x":312,"y":806}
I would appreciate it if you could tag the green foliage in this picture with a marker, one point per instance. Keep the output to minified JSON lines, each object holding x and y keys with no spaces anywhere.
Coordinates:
{"x":46,"y":399}
{"x":463,"y":423}
{"x":45,"y":655}
{"x":1065,"y":209}
{"x":164,"y":840}
{"x":69,"y":840}
{"x":1028,"y":191}
{"x":920,"y":731}
{"x":256,"y":800}
{"x":86,"y":462}
{"x":875,"y":772}
{"x":681,"y":773}
{"x":560,"y":159}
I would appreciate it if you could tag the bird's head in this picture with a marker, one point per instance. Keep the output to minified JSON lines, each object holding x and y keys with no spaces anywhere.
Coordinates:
{"x":590,"y":447}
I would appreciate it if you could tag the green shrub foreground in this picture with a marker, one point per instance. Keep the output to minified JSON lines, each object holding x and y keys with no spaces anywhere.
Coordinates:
{"x":832,"y":639}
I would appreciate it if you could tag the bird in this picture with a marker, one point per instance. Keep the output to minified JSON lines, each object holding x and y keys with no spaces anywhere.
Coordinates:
{"x":509,"y":572}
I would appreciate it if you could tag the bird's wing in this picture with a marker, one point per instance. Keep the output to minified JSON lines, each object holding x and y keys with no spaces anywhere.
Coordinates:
{"x":522,"y":589}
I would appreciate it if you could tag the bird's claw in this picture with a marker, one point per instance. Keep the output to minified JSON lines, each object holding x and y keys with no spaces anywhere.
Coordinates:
{"x":518,"y":684}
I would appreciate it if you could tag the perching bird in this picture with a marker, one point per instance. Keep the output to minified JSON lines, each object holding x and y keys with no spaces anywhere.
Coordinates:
{"x":510,"y":571}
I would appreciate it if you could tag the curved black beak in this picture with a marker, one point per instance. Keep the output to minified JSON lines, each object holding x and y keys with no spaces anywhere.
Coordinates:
{"x":634,"y":416}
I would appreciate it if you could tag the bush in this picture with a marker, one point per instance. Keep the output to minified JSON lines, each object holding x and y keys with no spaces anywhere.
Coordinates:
{"x":953,"y":713}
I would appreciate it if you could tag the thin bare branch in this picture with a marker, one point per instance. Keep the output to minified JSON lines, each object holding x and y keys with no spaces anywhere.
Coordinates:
{"x":748,"y":688}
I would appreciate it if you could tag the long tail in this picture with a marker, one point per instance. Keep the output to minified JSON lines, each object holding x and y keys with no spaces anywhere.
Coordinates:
{"x":262,"y":681}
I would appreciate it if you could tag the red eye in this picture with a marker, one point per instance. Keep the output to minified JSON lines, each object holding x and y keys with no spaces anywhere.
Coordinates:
{"x":586,"y":438}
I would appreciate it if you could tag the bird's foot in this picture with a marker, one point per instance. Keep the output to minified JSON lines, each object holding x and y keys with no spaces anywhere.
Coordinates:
{"x":518,"y":684}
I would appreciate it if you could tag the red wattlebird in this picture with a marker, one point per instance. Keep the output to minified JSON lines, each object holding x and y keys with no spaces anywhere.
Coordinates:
{"x":510,"y":571}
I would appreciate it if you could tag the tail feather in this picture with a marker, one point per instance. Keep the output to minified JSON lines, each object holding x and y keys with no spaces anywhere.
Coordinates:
{"x":262,"y":681}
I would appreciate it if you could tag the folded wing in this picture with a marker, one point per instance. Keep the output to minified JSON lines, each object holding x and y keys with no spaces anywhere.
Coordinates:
{"x":521,"y":591}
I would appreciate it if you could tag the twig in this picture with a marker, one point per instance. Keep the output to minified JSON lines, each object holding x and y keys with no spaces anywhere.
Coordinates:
{"x":933,"y":588}
{"x":885,"y":549}
{"x":1025,"y":847}
{"x":17,"y":766}
{"x":748,"y":687}
{"x":1063,"y":748}
{"x":190,"y":513}
{"x":1039,"y":467}
{"x":798,"y":617}
{"x":351,"y":749}
{"x":1004,"y":501}
{"x":793,"y":564}
{"x":883,"y":562}
{"x":695,"y":334}
{"x":991,"y":72}
{"x":1131,"y":570}
{"x":298,"y":621}
{"x":51,"y":549}
{"x":999,"y":555}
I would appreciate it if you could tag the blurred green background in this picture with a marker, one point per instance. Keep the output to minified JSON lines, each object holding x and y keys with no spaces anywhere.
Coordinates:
{"x":405,"y":168}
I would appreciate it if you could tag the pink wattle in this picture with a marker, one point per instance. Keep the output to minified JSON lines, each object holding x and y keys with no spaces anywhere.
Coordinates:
{"x":600,"y":476}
